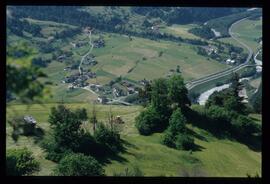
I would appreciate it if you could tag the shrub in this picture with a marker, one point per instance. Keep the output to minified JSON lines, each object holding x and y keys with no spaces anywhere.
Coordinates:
{"x":244,"y":126}
{"x":220,"y":117}
{"x":184,"y":142}
{"x":20,"y":162}
{"x":109,"y":138}
{"x":87,"y":145}
{"x":168,"y":139}
{"x":53,"y":151}
{"x":82,"y":114}
{"x":177,"y":123}
{"x":66,"y":132}
{"x":148,"y":121}
{"x":78,"y":165}
{"x":176,"y":134}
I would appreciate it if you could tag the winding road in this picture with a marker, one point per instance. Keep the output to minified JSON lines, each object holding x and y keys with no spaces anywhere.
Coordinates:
{"x":89,"y":51}
{"x":221,"y":74}
{"x":115,"y":100}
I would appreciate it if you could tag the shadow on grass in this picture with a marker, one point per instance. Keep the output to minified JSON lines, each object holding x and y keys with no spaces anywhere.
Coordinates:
{"x":115,"y":156}
{"x":111,"y":157}
{"x":196,"y":135}
{"x":197,"y":147}
{"x":127,"y":144}
{"x":253,"y":142}
{"x":39,"y":135}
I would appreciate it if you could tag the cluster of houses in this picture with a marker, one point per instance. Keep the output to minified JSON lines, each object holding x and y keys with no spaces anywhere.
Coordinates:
{"x":124,"y":88}
{"x":78,"y":44}
{"x":130,"y":87}
{"x":144,"y":82}
{"x":99,"y":43}
{"x":90,"y":60}
{"x":79,"y":80}
{"x":102,"y":99}
{"x":230,"y":61}
{"x":96,"y":87}
{"x":210,"y":49}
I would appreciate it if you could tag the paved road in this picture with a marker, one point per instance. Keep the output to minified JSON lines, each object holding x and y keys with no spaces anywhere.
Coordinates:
{"x":218,"y":75}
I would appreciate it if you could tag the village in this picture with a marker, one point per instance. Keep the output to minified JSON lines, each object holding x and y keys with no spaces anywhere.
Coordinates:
{"x":106,"y":93}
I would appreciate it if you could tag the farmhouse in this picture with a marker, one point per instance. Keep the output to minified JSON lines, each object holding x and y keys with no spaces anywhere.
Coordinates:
{"x":115,"y":92}
{"x":61,"y":58}
{"x":102,"y":99}
{"x":130,"y":90}
{"x":90,"y":61}
{"x":230,"y":61}
{"x":67,"y":68}
{"x":210,"y":49}
{"x":87,"y":29}
{"x":99,"y":43}
{"x":144,"y":82}
{"x":29,"y":120}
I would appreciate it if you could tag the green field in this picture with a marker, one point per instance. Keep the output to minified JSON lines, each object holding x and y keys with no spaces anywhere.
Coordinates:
{"x":247,"y":31}
{"x":120,"y":55}
{"x":217,"y":157}
{"x":134,"y":60}
{"x":180,"y":30}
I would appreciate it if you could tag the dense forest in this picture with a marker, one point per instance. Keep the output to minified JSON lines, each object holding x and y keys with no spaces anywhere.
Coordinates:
{"x":184,"y":15}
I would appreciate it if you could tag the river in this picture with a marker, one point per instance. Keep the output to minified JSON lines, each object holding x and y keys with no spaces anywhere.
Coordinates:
{"x":205,"y":95}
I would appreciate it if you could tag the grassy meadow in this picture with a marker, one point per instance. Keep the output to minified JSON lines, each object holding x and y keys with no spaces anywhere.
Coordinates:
{"x":216,"y":157}
{"x":180,"y":30}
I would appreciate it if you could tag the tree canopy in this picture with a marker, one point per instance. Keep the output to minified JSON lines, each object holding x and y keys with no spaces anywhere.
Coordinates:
{"x":20,"y":162}
{"x":78,"y":165}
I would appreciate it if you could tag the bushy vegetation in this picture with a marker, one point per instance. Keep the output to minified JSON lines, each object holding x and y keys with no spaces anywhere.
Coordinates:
{"x":176,"y":135}
{"x":148,"y":121}
{"x":20,"y":162}
{"x":256,"y":100}
{"x":203,"y":32}
{"x":164,"y":96}
{"x":17,"y":27}
{"x":40,"y":62}
{"x":226,"y":113}
{"x":67,"y":136}
{"x":229,"y":98}
{"x":108,"y":138}
{"x":78,"y":165}
{"x":177,"y":92}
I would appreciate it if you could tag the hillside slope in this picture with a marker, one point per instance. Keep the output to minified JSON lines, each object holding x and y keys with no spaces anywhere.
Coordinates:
{"x":215,"y":157}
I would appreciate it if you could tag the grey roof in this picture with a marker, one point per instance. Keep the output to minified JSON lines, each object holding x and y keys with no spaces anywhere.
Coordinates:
{"x":29,"y":119}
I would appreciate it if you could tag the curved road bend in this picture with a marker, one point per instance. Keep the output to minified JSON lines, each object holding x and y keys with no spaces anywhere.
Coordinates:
{"x":214,"y":76}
